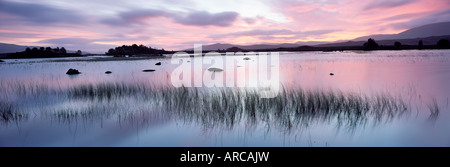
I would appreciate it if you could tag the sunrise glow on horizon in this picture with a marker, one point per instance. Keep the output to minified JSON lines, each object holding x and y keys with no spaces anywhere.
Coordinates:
{"x":95,"y":26}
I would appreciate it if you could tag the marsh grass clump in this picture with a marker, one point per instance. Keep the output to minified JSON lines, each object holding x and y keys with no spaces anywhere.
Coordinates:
{"x":70,"y":115}
{"x":8,"y":114}
{"x":434,"y":110}
{"x":227,"y":106}
{"x":217,"y":107}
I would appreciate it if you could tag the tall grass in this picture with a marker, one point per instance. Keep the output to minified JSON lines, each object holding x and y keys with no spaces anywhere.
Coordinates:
{"x":8,"y":115}
{"x":218,"y":107}
{"x":434,"y":110}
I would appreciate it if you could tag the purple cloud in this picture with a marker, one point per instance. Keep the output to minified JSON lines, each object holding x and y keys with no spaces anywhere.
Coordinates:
{"x":250,"y":20}
{"x":134,"y":17}
{"x":17,"y":35}
{"x":387,"y":4}
{"x":77,"y":43}
{"x":439,"y":16}
{"x":203,"y":18}
{"x":197,"y":18}
{"x":403,"y":16}
{"x":254,"y":33}
{"x":269,"y":34}
{"x":37,"y":13}
{"x":66,"y":41}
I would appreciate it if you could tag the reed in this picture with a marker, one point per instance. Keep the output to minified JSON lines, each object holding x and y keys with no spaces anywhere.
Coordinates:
{"x":213,"y":107}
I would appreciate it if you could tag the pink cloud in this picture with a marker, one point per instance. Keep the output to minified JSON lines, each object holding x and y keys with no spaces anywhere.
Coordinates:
{"x":174,"y":26}
{"x":358,"y":17}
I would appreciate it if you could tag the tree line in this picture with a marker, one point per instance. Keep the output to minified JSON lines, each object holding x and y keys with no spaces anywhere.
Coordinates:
{"x":441,"y":44}
{"x":141,"y":50}
{"x":42,"y":52}
{"x":371,"y":44}
{"x":131,"y":50}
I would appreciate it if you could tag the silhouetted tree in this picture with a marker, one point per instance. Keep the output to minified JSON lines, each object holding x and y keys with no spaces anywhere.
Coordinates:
{"x":420,"y":43}
{"x":56,"y":50}
{"x":43,"y":52}
{"x":63,"y":50}
{"x":111,"y":52}
{"x":443,"y":43}
{"x":133,"y":50}
{"x":397,"y":44}
{"x":79,"y":52}
{"x":371,"y":44}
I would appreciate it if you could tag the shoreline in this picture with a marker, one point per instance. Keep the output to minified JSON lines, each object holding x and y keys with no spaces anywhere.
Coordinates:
{"x":95,"y":58}
{"x":81,"y":59}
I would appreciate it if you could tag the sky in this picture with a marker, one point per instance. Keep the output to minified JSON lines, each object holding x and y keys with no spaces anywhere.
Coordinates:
{"x":97,"y":25}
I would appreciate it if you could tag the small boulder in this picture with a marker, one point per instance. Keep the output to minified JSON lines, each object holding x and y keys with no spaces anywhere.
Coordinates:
{"x":246,"y":58}
{"x":148,"y":70}
{"x":108,"y":72}
{"x":72,"y":72}
{"x":158,"y":64}
{"x":331,"y":74}
{"x":213,"y":69}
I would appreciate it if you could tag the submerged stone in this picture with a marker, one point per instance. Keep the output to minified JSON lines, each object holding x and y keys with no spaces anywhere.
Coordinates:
{"x":148,"y":70}
{"x":213,"y":69}
{"x":72,"y":72}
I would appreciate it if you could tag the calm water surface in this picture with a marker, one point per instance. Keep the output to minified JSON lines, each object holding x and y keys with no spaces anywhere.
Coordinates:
{"x":33,"y":117}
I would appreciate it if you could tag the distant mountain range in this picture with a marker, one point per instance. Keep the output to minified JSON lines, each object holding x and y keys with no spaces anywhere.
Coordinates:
{"x":11,"y":48}
{"x":429,"y":34}
{"x":389,"y":42}
{"x":219,"y":46}
{"x":429,"y":30}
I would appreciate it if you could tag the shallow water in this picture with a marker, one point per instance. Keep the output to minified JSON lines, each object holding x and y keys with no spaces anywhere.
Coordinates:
{"x":47,"y":117}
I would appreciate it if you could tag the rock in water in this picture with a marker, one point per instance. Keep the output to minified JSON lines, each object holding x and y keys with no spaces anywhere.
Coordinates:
{"x":108,"y":72}
{"x":1,"y":61}
{"x":246,"y":58}
{"x":148,"y":70}
{"x":331,"y":74}
{"x":213,"y":69}
{"x":72,"y":72}
{"x":158,"y":64}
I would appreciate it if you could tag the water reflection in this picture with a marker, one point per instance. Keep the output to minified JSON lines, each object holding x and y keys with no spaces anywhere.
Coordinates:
{"x":225,"y":108}
{"x":393,"y":92}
